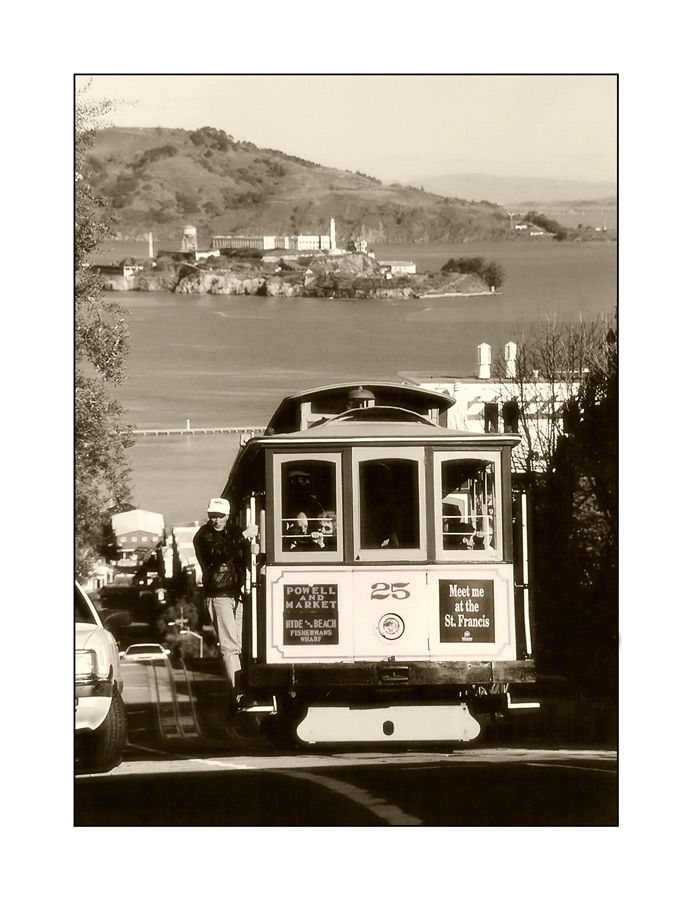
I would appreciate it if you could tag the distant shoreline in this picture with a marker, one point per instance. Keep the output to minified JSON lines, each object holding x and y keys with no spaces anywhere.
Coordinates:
{"x":457,"y":294}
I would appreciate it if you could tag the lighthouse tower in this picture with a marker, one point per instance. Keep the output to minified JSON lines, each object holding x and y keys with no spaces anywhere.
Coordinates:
{"x":332,"y":234}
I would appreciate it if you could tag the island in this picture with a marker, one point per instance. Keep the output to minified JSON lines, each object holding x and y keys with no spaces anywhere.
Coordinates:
{"x":320,"y":273}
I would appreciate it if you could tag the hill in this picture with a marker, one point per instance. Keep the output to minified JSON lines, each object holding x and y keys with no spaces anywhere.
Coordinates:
{"x":516,"y":191}
{"x":160,"y":180}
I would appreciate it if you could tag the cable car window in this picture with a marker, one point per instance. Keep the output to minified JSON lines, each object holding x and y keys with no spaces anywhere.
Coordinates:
{"x":468,"y":513}
{"x":308,"y":506}
{"x":389,"y":514}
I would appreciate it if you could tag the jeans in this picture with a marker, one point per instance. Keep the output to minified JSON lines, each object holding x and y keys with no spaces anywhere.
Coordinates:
{"x":227,"y":616}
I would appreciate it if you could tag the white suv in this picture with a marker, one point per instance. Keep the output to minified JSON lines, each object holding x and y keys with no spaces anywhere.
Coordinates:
{"x":100,"y":723}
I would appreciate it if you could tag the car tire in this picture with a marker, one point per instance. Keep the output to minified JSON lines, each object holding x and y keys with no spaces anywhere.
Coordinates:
{"x":103,"y":750}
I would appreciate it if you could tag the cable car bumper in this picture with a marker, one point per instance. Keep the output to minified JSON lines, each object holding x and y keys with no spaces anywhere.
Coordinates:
{"x":385,"y":673}
{"x":405,"y":723}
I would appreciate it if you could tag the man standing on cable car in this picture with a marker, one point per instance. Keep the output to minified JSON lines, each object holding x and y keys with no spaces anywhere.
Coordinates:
{"x":220,"y":549}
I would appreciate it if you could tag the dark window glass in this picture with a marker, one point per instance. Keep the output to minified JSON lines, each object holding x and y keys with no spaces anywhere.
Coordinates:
{"x":82,"y":613}
{"x":389,"y":514}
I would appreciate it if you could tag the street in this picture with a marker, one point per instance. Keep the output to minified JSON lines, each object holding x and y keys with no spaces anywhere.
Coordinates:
{"x":491,"y":787}
{"x":181,"y":769}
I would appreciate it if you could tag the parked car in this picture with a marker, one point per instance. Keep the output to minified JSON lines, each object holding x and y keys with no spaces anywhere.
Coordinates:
{"x":100,"y":723}
{"x":549,"y":707}
{"x":140,"y":652}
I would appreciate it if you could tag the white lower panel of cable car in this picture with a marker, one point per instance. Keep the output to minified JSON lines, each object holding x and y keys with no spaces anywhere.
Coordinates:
{"x":346,"y":724}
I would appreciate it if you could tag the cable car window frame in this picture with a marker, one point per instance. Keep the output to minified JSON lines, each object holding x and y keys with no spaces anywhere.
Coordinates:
{"x":382,"y":554}
{"x":318,"y":554}
{"x":465,"y":555}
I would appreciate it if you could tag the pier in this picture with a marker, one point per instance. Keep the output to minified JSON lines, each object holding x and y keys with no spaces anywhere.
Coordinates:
{"x":223,"y":429}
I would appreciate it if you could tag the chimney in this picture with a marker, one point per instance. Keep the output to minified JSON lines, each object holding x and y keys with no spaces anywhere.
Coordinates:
{"x":151,"y":245}
{"x":511,"y":359}
{"x":484,"y":360}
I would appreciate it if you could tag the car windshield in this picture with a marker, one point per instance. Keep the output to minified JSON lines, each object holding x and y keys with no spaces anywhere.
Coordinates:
{"x":82,"y":613}
{"x":144,"y":648}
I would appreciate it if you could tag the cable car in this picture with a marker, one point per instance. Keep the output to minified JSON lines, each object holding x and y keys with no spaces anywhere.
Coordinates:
{"x":387,"y":591}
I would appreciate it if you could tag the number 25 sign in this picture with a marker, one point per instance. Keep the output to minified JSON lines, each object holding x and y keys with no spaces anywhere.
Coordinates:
{"x":382,"y":590}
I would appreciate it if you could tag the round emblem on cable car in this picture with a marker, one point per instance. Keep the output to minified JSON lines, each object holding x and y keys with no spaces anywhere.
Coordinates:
{"x":391,"y":626}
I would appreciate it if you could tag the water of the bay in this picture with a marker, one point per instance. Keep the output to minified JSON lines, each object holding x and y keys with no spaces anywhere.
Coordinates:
{"x":228,"y":360}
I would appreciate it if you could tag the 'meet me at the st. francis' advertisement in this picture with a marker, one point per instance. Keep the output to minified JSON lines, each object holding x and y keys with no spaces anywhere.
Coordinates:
{"x":467,"y":611}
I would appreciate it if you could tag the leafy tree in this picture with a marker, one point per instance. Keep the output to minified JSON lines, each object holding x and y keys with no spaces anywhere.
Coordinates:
{"x":187,"y":202}
{"x":101,"y":346}
{"x":153,"y":155}
{"x":571,"y":426}
{"x":464,"y":265}
{"x":215,"y":138}
{"x":549,"y":225}
{"x":492,"y":273}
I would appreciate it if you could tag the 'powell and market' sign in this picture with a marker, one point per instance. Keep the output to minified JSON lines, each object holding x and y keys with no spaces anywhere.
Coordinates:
{"x":311,"y":614}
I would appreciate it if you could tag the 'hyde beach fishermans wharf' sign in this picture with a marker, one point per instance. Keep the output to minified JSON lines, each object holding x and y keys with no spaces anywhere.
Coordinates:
{"x":311,"y":614}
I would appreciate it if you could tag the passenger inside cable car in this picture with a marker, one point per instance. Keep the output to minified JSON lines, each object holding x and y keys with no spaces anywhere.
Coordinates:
{"x":308,"y":500}
{"x":468,"y":504}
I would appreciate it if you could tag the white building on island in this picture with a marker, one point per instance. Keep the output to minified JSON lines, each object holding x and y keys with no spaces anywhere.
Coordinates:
{"x":398,"y":266}
{"x":277,"y":242}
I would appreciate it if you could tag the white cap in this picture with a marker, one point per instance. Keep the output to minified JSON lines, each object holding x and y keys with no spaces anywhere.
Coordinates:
{"x":219,"y":505}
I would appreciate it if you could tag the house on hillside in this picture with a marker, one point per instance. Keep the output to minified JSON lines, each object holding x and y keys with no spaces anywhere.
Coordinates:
{"x":136,"y":530}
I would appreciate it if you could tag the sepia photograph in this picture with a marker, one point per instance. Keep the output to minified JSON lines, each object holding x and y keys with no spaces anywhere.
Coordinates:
{"x":346,"y":450}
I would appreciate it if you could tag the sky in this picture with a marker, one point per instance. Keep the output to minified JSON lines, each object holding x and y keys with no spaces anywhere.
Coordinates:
{"x":392,"y":126}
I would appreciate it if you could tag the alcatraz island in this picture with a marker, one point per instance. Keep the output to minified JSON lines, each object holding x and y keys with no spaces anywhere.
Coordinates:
{"x":292,"y":266}
{"x":253,"y":221}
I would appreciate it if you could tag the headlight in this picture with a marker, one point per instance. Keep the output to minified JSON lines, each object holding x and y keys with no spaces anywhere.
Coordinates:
{"x":85,"y":665}
{"x":391,"y":626}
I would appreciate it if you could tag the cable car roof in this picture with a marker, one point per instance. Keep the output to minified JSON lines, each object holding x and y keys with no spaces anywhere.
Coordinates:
{"x":332,"y":400}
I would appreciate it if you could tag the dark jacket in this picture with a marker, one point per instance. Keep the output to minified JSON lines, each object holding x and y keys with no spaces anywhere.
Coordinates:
{"x":221,"y":555}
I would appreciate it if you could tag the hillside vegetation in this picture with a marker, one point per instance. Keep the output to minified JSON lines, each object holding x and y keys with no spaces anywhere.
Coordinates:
{"x":160,"y":180}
